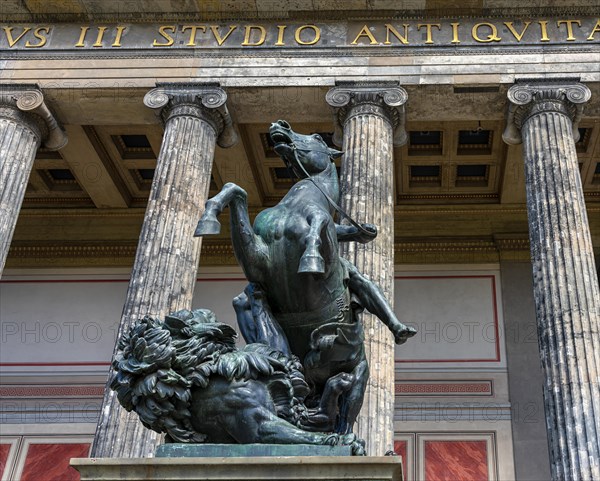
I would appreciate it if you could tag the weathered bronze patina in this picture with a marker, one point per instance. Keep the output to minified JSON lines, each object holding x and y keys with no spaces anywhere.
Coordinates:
{"x":302,"y":377}
{"x":185,"y":377}
{"x":302,"y":294}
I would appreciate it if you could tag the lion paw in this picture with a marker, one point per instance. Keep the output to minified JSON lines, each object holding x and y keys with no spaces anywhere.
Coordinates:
{"x":356,"y":444}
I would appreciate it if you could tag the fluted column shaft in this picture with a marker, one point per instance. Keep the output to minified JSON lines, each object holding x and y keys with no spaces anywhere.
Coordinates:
{"x":166,"y":262}
{"x":566,"y":290}
{"x":369,"y":115}
{"x":25,"y":122}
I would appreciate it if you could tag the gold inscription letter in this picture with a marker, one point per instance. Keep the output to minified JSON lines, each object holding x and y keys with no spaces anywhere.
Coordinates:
{"x":280,"y":31}
{"x":215,"y":31}
{"x":512,"y":29}
{"x":455,"y":32}
{"x":11,"y":40}
{"x":117,"y":42}
{"x":194,"y":29}
{"x":365,"y":32}
{"x":569,"y":24}
{"x":163,"y":31}
{"x":403,"y":38}
{"x":42,"y":38}
{"x":84,"y":31}
{"x":100,"y":37}
{"x":544,"y":30}
{"x":492,"y":36}
{"x":596,"y":29}
{"x":428,"y":28}
{"x":316,"y":32}
{"x":261,"y":39}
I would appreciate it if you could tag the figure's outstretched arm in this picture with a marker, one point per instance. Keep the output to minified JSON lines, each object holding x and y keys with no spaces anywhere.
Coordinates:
{"x":371,"y":298}
{"x":347,"y":233}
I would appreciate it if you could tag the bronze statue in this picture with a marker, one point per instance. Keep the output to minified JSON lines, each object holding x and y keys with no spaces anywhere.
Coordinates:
{"x":302,"y":376}
{"x":185,"y":377}
{"x":302,"y":294}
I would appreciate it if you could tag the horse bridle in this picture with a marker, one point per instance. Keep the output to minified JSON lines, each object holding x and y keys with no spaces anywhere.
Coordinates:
{"x":332,"y":203}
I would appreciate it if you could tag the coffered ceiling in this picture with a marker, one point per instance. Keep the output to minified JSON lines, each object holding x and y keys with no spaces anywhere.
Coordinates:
{"x":457,"y":182}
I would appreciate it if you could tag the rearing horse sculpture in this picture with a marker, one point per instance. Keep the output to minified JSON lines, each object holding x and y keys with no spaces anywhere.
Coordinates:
{"x":303,"y":297}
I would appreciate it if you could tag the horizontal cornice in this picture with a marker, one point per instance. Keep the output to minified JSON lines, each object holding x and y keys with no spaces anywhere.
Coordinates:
{"x":142,"y":16}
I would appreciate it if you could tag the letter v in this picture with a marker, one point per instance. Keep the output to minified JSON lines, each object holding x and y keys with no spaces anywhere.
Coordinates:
{"x":517,"y":35}
{"x":218,"y":38}
{"x":12,"y":41}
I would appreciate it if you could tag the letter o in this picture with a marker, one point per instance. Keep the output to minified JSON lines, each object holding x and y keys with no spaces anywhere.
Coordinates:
{"x":85,"y":333}
{"x":314,"y":28}
{"x":47,"y":337}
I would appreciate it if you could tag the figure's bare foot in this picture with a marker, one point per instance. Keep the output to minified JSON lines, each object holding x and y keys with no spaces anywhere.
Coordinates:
{"x":403,"y":333}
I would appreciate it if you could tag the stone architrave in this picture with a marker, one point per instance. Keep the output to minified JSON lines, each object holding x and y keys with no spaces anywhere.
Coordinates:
{"x":544,"y":116}
{"x":371,"y":117}
{"x":165,"y":267}
{"x":25,"y":123}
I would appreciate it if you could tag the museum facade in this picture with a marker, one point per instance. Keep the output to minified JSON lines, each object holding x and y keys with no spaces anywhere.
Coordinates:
{"x":471,"y":139}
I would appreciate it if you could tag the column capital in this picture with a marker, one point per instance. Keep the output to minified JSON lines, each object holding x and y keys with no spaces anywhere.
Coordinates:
{"x":530,"y":97}
{"x":384,"y":99}
{"x":204,"y":101}
{"x":26,"y":104}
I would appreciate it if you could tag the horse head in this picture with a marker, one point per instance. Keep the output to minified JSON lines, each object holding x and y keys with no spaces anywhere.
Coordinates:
{"x":302,"y":153}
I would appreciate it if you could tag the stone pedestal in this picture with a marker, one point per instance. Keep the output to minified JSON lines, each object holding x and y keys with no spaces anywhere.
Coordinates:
{"x":544,"y":116}
{"x":25,"y":122}
{"x":279,"y":468}
{"x":371,"y":117}
{"x":166,"y":262}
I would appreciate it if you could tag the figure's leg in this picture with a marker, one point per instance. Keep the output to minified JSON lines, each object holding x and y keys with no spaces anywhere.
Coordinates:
{"x":350,"y":233}
{"x":243,"y":313}
{"x":372,"y":299}
{"x":324,"y":418}
{"x":250,"y":250}
{"x":351,"y":401}
{"x":256,"y":322}
{"x":311,"y":260}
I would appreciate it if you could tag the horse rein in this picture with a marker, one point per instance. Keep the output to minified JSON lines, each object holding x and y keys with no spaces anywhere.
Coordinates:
{"x":332,"y":203}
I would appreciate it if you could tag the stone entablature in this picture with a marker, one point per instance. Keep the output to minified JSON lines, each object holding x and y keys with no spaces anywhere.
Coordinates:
{"x":294,"y":34}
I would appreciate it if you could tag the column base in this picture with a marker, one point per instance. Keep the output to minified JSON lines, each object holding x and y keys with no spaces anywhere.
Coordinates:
{"x":263,"y":468}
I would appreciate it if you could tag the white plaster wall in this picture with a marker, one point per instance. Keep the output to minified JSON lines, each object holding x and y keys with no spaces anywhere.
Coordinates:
{"x":60,"y":321}
{"x":67,"y":321}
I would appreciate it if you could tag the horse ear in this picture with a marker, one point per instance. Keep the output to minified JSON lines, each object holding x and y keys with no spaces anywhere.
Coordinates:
{"x":334,"y":153}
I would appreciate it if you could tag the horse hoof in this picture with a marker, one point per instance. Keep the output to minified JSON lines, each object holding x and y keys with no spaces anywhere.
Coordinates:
{"x":311,"y":265}
{"x":207,"y":227}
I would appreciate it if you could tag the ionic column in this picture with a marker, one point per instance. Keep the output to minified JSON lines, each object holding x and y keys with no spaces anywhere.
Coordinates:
{"x":25,"y":122}
{"x":544,"y":116}
{"x":372,"y":119}
{"x":166,"y":262}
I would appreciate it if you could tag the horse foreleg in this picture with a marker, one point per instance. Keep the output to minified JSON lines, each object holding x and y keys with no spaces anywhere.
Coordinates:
{"x":208,"y":224}
{"x":250,"y":250}
{"x":371,"y":298}
{"x":312,"y":260}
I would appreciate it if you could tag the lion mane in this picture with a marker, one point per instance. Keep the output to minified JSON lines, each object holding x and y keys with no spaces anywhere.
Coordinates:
{"x":160,"y":363}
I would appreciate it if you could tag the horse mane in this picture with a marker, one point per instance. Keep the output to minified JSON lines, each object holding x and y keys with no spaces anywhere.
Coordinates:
{"x":160,"y":363}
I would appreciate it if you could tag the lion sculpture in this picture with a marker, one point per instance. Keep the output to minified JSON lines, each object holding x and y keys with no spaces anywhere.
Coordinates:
{"x":185,"y":377}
